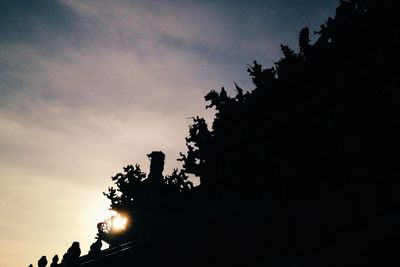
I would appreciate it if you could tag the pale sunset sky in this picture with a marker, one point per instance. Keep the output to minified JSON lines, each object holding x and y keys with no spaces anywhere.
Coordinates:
{"x":90,"y":86}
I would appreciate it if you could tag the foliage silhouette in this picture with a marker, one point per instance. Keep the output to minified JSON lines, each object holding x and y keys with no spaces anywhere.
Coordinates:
{"x":312,"y":149}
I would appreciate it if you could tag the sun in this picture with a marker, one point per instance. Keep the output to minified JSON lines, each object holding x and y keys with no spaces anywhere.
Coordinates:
{"x":118,"y":223}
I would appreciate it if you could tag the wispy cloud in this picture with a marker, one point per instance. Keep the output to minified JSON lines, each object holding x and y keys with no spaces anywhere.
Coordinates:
{"x":89,"y":86}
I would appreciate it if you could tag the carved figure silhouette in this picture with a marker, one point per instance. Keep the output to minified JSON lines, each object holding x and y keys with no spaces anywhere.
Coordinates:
{"x":42,"y":261}
{"x":70,"y":259}
{"x":95,"y":248}
{"x":54,"y":261}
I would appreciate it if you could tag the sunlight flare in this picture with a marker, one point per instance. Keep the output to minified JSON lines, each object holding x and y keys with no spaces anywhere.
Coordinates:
{"x":118,"y":222}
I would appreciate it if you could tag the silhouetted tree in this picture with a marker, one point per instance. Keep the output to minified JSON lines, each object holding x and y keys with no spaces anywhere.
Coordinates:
{"x":316,"y":136}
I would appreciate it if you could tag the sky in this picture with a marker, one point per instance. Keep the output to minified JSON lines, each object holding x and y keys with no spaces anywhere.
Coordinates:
{"x":90,"y":86}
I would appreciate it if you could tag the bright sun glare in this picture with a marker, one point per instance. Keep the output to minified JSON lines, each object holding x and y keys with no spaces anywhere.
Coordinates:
{"x":118,"y":222}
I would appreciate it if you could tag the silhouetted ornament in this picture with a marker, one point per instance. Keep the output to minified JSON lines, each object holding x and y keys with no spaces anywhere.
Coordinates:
{"x":70,"y":259}
{"x":42,"y":261}
{"x":156,"y":166}
{"x":95,"y":248}
{"x":54,"y":261}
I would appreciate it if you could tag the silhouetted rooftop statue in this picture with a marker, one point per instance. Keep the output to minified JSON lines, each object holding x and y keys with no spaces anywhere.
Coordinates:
{"x":70,"y":259}
{"x":95,"y":248}
{"x":42,"y":262}
{"x":54,"y":261}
